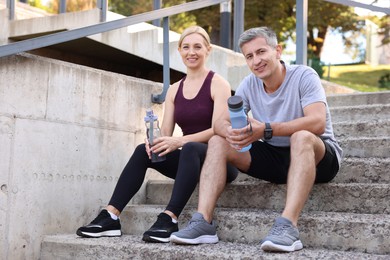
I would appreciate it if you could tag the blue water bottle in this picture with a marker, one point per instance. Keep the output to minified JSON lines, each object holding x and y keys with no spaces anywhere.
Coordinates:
{"x":153,"y":132}
{"x":238,"y":117}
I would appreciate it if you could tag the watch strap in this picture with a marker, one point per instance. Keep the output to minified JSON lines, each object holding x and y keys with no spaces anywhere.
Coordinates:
{"x":267,"y":131}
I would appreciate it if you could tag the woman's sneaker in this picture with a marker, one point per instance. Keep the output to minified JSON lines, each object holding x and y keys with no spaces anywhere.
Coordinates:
{"x":102,"y":226}
{"x":161,"y":229}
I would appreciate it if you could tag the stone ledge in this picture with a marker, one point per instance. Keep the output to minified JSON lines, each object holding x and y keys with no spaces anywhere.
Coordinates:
{"x":131,"y":247}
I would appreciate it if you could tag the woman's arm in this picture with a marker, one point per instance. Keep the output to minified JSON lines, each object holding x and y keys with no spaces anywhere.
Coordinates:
{"x":220,"y":92}
{"x":168,"y":122}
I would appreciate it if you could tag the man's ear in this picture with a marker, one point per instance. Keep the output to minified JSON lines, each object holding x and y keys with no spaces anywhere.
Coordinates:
{"x":279,"y":50}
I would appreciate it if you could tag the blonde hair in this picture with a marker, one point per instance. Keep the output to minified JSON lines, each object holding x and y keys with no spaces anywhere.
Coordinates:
{"x":195,"y":29}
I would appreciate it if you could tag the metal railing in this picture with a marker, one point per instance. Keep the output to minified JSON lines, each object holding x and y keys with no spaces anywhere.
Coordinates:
{"x":156,"y":15}
{"x":65,"y":36}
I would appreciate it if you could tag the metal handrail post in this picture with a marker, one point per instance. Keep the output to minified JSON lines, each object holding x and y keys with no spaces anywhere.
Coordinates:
{"x":225,"y":18}
{"x":160,"y":98}
{"x":62,"y":6}
{"x":301,"y":28}
{"x":238,"y":27}
{"x":11,"y":8}
{"x":102,"y":5}
{"x":156,"y":6}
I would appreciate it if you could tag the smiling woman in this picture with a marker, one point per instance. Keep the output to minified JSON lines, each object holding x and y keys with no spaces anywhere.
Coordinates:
{"x":193,"y":103}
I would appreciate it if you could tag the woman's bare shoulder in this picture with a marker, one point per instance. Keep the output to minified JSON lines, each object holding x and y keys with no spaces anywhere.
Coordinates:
{"x":172,"y":90}
{"x":218,"y":80}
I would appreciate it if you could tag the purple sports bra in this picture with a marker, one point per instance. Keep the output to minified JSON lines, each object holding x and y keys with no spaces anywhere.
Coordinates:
{"x":194,"y":115}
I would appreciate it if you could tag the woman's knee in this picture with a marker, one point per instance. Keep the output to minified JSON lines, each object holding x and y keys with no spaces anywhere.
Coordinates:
{"x":140,"y":148}
{"x":193,"y":146}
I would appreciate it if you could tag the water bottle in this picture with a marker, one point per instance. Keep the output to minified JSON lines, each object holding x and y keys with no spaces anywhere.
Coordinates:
{"x":153,"y":132}
{"x":238,"y":117}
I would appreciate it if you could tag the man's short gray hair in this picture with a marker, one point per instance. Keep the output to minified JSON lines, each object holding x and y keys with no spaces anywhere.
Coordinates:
{"x":263,"y":32}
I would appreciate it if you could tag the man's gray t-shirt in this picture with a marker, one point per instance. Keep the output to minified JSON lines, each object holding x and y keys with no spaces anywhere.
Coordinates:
{"x":301,"y":87}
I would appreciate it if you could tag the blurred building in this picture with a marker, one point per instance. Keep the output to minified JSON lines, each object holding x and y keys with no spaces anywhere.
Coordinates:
{"x":376,"y":52}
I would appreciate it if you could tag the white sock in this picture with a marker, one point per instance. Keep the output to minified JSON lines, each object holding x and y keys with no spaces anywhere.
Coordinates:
{"x":173,"y":220}
{"x":113,"y":216}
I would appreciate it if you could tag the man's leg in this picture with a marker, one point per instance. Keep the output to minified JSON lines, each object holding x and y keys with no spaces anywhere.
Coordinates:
{"x":307,"y":150}
{"x":213,"y":176}
{"x":201,"y":229}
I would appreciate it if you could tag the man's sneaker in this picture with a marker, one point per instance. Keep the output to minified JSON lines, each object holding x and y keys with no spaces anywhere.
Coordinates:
{"x":283,"y":237}
{"x":102,"y":226}
{"x":161,"y":229}
{"x":198,"y":231}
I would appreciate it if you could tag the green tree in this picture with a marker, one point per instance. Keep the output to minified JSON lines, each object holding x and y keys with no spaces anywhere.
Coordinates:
{"x":325,"y":15}
{"x":181,"y":21}
{"x":130,"y":7}
{"x":38,"y":4}
{"x":71,"y":5}
{"x":384,"y":29}
{"x":322,"y":15}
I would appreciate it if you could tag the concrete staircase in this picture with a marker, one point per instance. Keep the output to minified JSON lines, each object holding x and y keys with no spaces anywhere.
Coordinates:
{"x":347,"y":218}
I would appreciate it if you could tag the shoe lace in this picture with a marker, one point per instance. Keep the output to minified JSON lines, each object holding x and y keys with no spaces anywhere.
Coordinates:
{"x":192,"y":223}
{"x":279,"y":229}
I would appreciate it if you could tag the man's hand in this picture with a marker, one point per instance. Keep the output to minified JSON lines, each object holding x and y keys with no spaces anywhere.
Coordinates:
{"x":239,"y":138}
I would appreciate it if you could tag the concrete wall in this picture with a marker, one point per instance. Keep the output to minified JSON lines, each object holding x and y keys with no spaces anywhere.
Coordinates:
{"x":66,"y":132}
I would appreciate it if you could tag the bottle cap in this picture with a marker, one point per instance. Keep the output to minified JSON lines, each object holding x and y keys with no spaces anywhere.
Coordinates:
{"x":150,"y":116}
{"x":235,"y":102}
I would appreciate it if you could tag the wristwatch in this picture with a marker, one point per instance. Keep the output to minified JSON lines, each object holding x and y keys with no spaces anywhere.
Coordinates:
{"x":267,"y":131}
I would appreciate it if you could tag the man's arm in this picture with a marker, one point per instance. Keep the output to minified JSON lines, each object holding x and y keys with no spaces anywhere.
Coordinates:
{"x":314,"y":121}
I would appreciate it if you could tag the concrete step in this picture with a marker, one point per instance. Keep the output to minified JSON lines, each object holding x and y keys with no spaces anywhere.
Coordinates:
{"x":368,"y":233}
{"x":70,"y":247}
{"x":360,"y":113}
{"x":131,"y":247}
{"x":364,"y":170}
{"x":365,"y":146}
{"x":359,"y":99}
{"x":373,"y":128}
{"x":329,"y":197}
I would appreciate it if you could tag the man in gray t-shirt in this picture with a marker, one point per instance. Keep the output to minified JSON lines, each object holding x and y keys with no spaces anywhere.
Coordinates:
{"x":291,"y":135}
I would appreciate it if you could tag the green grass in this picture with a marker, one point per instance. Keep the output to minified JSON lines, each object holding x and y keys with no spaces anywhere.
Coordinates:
{"x":360,"y":77}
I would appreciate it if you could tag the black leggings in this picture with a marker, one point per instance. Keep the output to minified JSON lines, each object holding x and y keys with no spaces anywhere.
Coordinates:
{"x":182,"y":165}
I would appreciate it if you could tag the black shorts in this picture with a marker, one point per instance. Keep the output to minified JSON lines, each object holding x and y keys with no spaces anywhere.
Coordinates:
{"x":271,"y":163}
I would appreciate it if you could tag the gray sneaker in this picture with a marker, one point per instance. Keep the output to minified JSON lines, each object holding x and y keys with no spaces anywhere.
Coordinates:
{"x":283,"y":237}
{"x":198,"y":231}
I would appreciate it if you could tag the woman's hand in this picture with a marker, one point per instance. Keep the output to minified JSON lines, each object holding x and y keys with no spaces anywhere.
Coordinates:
{"x":147,"y":148}
{"x":166,"y":144}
